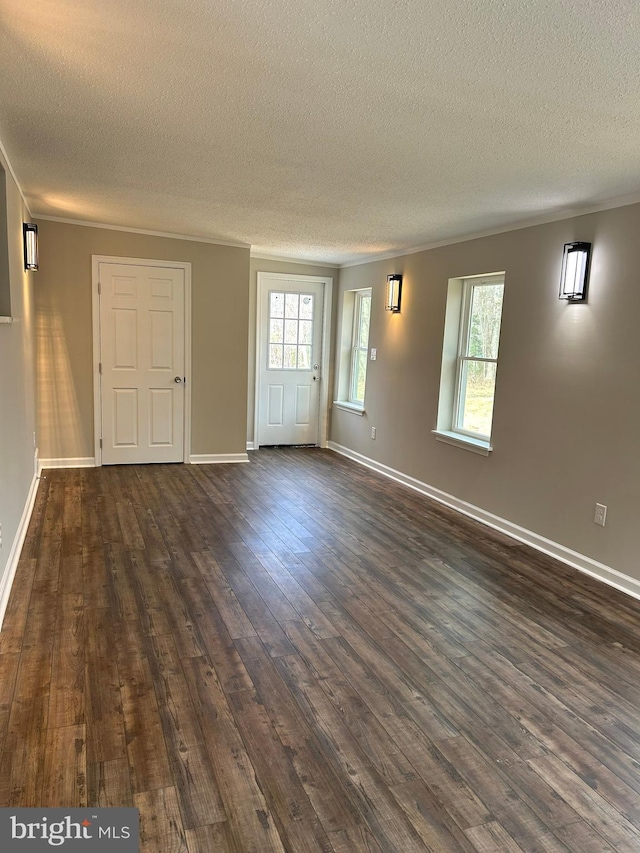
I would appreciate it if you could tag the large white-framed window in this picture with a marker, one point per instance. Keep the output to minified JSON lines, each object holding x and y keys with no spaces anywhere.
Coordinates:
{"x":470,"y":361}
{"x":354,"y":350}
{"x":359,"y":346}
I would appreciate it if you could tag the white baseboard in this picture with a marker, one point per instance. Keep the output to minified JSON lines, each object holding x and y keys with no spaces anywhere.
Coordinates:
{"x":6,"y":582}
{"x":251,"y":445}
{"x":217,"y":458}
{"x":584,"y":564}
{"x":70,"y":462}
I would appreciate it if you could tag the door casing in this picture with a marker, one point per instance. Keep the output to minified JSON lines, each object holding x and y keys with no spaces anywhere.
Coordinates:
{"x":265,"y":280}
{"x":96,"y":260}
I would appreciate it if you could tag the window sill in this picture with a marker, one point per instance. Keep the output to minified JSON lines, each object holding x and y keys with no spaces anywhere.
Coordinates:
{"x":466,"y":442}
{"x":6,"y":320}
{"x":349,"y":407}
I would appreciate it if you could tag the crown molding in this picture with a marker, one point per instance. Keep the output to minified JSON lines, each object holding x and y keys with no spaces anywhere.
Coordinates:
{"x":142,"y":231}
{"x":281,"y":259}
{"x":543,"y":219}
{"x":5,"y":157}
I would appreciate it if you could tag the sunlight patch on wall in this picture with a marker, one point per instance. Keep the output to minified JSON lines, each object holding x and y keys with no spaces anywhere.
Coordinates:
{"x":57,"y":398}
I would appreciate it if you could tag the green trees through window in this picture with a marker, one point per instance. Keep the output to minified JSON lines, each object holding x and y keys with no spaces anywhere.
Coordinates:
{"x":360,"y":346}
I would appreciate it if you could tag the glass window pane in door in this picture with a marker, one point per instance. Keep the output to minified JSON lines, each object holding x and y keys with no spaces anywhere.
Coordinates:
{"x":306,"y":306}
{"x":304,"y":358}
{"x":275,"y":331}
{"x":277,"y":305}
{"x":275,"y":356}
{"x":290,"y":357}
{"x":291,"y":331}
{"x":305,"y":329}
{"x":291,"y":305}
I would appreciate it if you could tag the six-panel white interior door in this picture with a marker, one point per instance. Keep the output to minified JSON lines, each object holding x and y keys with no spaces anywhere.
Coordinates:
{"x":142,"y":355}
{"x":289,"y":362}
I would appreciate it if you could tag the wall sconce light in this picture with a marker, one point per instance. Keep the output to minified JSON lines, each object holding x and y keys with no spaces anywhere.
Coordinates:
{"x":575,"y":271}
{"x":394,"y":293}
{"x":30,"y":240}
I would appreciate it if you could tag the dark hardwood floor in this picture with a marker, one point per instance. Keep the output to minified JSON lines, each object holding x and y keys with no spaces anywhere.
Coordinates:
{"x":297,"y":654}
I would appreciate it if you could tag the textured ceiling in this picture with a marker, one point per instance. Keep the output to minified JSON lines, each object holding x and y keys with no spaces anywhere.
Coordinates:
{"x":320,"y":129}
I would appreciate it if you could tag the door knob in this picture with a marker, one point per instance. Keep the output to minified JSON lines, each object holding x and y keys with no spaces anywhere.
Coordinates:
{"x":178,"y":379}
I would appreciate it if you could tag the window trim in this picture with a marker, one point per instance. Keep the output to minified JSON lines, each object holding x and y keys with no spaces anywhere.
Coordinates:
{"x":468,"y":287}
{"x":345,"y":348}
{"x":359,"y":295}
{"x":454,"y":355}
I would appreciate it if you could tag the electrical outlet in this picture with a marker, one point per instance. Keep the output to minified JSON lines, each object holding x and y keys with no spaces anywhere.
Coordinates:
{"x":374,"y":354}
{"x":373,"y":432}
{"x":600,"y":515}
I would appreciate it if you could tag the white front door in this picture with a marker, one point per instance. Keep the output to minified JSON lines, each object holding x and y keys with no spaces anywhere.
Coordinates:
{"x":142,"y":356}
{"x":289,"y":361}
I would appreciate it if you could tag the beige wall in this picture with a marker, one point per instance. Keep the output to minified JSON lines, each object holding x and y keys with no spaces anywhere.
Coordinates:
{"x":567,"y":406}
{"x":220,"y":299}
{"x":17,"y":406}
{"x":259,"y":265}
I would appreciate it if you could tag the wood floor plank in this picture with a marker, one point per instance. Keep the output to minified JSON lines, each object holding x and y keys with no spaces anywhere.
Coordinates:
{"x":417,"y":702}
{"x":587,"y":802}
{"x":235,"y":619}
{"x":301,"y":601}
{"x":326,"y":789}
{"x":377,"y":806}
{"x":298,"y":654}
{"x":298,"y":823}
{"x":516,"y":816}
{"x":194,"y":779}
{"x":67,"y":693}
{"x":516,"y":691}
{"x":492,"y":838}
{"x":103,"y":699}
{"x":410,"y":727}
{"x":64,"y":782}
{"x":262,"y":619}
{"x":161,"y":829}
{"x":24,"y":753}
{"x":108,"y":784}
{"x":148,"y":759}
{"x":252,"y":824}
{"x":216,"y":837}
{"x":582,"y":838}
{"x":31,"y":544}
{"x":215,"y":638}
{"x":95,"y":584}
{"x":357,"y":839}
{"x":16,"y":614}
{"x":429,"y":817}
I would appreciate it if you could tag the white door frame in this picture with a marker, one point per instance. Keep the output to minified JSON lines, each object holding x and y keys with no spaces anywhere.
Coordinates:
{"x":264,"y":280}
{"x":96,"y":260}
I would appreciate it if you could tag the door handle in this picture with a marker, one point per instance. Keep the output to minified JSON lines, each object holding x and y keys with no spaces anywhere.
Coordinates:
{"x":178,"y":379}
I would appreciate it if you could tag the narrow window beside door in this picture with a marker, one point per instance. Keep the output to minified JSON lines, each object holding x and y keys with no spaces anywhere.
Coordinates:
{"x":354,"y":351}
{"x":360,"y":346}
